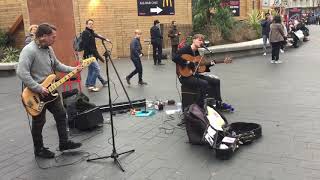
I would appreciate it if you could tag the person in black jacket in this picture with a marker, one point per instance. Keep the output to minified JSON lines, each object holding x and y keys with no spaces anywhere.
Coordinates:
{"x":265,"y":24}
{"x":90,"y":49}
{"x":156,"y":41}
{"x":201,"y":81}
{"x":135,"y":54}
{"x":174,"y":36}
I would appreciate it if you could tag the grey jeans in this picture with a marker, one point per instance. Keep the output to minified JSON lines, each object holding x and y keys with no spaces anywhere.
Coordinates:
{"x":265,"y":38}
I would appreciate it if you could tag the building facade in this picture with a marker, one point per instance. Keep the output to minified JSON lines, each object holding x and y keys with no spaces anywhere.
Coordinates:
{"x":114,"y":19}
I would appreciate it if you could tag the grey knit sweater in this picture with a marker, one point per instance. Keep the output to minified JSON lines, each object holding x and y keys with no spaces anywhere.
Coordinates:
{"x":35,"y":64}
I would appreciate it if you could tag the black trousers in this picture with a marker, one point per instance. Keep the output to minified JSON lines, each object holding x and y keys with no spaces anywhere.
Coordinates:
{"x":59,"y":114}
{"x":209,"y":86}
{"x":275,"y":50}
{"x":138,"y":69}
{"x":157,"y":52}
{"x":174,"y":49}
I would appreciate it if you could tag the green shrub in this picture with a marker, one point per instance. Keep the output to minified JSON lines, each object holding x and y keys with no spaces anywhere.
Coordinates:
{"x":3,"y":38}
{"x":254,"y":19}
{"x":9,"y":54}
{"x":223,"y":19}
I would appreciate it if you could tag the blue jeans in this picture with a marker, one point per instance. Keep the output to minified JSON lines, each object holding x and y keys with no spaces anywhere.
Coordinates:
{"x":93,"y":74}
{"x":265,"y":40}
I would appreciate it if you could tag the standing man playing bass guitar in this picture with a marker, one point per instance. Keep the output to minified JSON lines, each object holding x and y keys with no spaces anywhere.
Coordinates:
{"x":37,"y":60}
{"x":185,"y":59}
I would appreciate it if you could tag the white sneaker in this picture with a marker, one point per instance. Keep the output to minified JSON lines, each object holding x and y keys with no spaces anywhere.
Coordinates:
{"x":278,"y":62}
{"x":272,"y":61}
{"x":264,"y":54}
{"x":93,"y":89}
{"x":281,"y":50}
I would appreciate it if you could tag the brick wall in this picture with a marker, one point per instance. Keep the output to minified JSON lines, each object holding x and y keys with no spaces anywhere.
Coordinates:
{"x":117,"y":20}
{"x":9,"y":11}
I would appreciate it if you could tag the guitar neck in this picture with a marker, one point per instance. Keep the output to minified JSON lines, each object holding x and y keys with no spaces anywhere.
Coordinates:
{"x":85,"y":63}
{"x":55,"y":85}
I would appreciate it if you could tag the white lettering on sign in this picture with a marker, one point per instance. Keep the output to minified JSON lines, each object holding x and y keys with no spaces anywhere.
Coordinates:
{"x":148,"y":3}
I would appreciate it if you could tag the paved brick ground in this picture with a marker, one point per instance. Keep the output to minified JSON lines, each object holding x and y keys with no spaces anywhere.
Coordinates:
{"x":282,"y":97}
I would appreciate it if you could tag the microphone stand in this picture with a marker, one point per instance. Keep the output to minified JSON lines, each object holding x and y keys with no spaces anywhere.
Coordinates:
{"x":114,"y":155}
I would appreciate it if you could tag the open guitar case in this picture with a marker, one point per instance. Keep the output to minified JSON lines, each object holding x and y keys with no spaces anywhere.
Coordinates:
{"x":221,"y":136}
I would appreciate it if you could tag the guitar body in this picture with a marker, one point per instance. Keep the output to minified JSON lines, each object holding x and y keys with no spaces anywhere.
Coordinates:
{"x":184,"y":71}
{"x":200,"y":62}
{"x":34,"y":102}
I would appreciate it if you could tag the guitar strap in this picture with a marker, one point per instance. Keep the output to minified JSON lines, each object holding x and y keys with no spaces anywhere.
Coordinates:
{"x":51,"y":61}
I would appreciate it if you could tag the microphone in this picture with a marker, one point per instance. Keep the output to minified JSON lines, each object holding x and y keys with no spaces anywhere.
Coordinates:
{"x":204,"y":47}
{"x":103,"y":38}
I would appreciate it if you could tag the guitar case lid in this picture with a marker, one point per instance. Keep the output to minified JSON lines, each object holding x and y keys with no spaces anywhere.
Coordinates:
{"x":247,"y":132}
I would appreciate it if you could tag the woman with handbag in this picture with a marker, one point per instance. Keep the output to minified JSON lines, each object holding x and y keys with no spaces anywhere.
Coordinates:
{"x":276,"y":36}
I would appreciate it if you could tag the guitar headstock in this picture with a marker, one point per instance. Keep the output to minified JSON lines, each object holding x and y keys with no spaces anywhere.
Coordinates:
{"x":87,"y":61}
{"x":227,"y":59}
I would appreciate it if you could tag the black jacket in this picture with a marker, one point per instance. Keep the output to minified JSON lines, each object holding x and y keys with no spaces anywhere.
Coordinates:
{"x":265,"y":24}
{"x":135,"y":49}
{"x":156,"y":36}
{"x":89,"y":42}
{"x":186,"y":50}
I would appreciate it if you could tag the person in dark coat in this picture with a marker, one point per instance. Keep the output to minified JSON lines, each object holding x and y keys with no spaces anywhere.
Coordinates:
{"x":207,"y":84}
{"x":90,"y":49}
{"x":135,"y":54}
{"x":265,"y":24}
{"x":156,"y":41}
{"x":174,"y":36}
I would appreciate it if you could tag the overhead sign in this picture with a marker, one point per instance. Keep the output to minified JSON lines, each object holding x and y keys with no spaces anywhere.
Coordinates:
{"x":155,"y":7}
{"x":234,"y":6}
{"x":265,"y":3}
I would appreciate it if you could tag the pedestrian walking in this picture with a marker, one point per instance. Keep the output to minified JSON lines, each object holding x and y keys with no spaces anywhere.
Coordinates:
{"x":277,"y":36}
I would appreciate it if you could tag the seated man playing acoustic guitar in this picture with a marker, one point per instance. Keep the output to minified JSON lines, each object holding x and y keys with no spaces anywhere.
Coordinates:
{"x":37,"y":61}
{"x":187,"y":60}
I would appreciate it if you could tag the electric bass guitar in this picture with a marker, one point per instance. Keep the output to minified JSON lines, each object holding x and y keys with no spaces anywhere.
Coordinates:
{"x":200,"y":62}
{"x":35,"y":102}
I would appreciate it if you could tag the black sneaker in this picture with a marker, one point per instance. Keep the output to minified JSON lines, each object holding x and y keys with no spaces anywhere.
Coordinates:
{"x":69,"y":145}
{"x":105,"y":83}
{"x":128,"y":80}
{"x":44,"y":152}
{"x":142,"y":83}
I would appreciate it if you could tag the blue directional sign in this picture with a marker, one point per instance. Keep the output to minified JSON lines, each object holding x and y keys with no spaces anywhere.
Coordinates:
{"x":155,"y":7}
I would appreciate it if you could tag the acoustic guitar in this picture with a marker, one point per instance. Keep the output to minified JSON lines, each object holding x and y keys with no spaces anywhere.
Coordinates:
{"x":35,"y":102}
{"x":201,"y":63}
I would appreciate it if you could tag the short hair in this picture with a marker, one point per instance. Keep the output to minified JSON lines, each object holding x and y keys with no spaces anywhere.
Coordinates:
{"x":277,"y":19}
{"x":45,"y":29}
{"x":267,"y":14}
{"x":32,"y":26}
{"x":172,"y":22}
{"x":198,"y":36}
{"x":137,"y":31}
{"x":87,"y":21}
{"x":156,"y":22}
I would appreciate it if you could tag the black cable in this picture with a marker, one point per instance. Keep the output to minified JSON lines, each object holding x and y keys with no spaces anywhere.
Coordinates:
{"x":172,"y":127}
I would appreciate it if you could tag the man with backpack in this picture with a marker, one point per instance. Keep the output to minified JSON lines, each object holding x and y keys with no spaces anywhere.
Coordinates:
{"x":90,"y":49}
